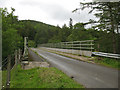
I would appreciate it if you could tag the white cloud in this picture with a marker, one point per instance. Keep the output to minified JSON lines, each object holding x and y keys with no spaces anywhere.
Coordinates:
{"x":54,"y":12}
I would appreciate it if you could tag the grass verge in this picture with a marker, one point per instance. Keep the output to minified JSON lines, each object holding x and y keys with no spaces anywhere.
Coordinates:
{"x":4,"y":78}
{"x":114,"y":63}
{"x":41,"y":78}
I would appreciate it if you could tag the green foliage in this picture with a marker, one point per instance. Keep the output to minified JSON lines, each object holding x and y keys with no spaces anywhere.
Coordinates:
{"x":64,"y":33}
{"x":31,"y":43}
{"x":41,"y":78}
{"x":79,"y":33}
{"x":4,"y":77}
{"x":43,"y":33}
{"x":54,"y":39}
{"x":108,"y":20}
{"x":8,"y":19}
{"x":114,"y":63}
{"x":11,"y":41}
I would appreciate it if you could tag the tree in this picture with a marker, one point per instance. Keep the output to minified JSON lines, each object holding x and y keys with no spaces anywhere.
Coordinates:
{"x":31,"y":43}
{"x":8,"y":19}
{"x":79,"y":26}
{"x":109,"y":17}
{"x":64,"y":33}
{"x":79,"y":33}
{"x":70,"y":24}
{"x":11,"y":40}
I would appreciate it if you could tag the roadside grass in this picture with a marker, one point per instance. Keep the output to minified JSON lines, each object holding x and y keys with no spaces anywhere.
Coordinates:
{"x":41,"y":77}
{"x":108,"y":62}
{"x":4,"y":77}
{"x":114,"y":63}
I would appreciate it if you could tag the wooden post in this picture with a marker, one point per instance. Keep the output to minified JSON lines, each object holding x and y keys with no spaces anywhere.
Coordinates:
{"x":8,"y":72}
{"x":24,"y":46}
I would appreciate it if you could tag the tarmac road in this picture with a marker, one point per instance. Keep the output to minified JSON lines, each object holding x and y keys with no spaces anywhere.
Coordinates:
{"x":87,"y":74}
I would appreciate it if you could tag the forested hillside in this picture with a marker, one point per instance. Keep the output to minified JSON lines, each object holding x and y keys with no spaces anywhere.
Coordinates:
{"x":43,"y":33}
{"x":14,"y":30}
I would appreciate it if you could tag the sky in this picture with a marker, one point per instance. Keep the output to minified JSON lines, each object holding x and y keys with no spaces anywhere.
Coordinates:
{"x":53,"y":12}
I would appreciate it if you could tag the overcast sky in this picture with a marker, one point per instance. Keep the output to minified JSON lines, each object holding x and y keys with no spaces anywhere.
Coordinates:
{"x":54,"y":12}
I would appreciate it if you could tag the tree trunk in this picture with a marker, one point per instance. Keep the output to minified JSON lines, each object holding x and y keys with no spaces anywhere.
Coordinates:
{"x":118,"y":46}
{"x":113,"y":35}
{"x":112,"y":29}
{"x":114,"y":43}
{"x":118,"y":38}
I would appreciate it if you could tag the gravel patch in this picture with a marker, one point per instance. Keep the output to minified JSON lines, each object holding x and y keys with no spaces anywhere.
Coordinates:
{"x":34,"y":64}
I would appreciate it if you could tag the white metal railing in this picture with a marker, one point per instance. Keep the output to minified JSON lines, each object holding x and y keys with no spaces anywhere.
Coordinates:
{"x":79,"y":45}
{"x":86,"y":45}
{"x":106,"y":54}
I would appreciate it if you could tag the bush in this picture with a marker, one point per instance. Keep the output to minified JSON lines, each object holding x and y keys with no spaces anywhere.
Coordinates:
{"x":31,"y":43}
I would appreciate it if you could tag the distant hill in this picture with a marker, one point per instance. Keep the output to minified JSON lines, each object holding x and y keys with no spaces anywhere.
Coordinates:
{"x":37,"y":22}
{"x":38,"y":31}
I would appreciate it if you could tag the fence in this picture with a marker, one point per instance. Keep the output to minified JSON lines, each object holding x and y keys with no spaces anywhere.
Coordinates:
{"x":78,"y":47}
{"x":7,"y":65}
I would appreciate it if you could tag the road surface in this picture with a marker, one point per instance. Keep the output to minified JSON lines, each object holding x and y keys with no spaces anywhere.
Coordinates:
{"x":87,"y":74}
{"x":33,"y":56}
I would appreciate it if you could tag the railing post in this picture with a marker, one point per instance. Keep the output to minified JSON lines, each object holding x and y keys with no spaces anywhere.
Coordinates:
{"x":8,"y":72}
{"x":72,"y":47}
{"x":66,"y":47}
{"x":91,"y":46}
{"x":61,"y":45}
{"x":80,"y":46}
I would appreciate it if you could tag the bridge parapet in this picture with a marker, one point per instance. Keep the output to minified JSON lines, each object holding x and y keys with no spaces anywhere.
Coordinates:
{"x":75,"y":47}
